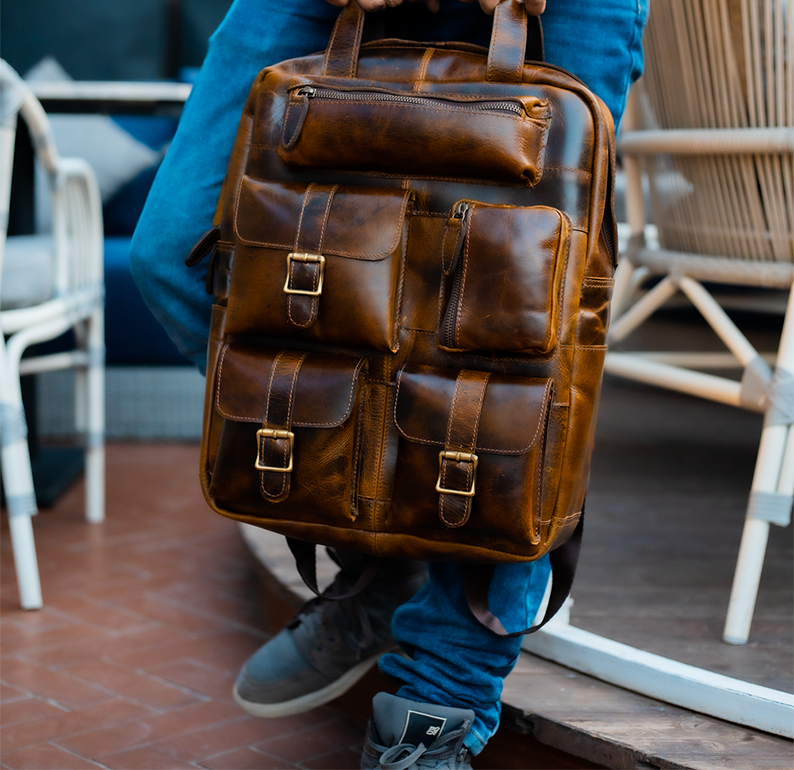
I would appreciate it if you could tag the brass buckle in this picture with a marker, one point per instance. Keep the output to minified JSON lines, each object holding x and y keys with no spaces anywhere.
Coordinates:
{"x":296,"y":256}
{"x":273,"y":433}
{"x":458,"y":457}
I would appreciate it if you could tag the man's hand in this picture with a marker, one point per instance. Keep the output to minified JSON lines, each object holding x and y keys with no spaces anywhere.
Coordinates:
{"x":534,"y":7}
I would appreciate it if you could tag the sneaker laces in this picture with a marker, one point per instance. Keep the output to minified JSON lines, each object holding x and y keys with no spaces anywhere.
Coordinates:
{"x":347,"y":617}
{"x":421,"y":755}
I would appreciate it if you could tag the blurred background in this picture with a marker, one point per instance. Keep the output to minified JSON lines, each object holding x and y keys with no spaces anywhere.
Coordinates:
{"x":119,"y":40}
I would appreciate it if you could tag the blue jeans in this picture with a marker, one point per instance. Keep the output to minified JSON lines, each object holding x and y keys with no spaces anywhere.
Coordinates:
{"x":455,"y":661}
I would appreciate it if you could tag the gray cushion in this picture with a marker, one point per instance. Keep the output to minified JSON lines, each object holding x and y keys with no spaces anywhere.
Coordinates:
{"x":27,"y":271}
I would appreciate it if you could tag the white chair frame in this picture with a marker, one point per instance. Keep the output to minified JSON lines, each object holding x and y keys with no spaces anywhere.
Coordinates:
{"x":77,"y":304}
{"x":718,"y":156}
{"x":725,"y":104}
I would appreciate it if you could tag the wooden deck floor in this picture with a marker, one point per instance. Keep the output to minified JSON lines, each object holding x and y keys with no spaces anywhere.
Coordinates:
{"x":669,"y":485}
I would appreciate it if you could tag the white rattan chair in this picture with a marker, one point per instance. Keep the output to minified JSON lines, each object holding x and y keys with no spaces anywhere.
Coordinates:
{"x":711,"y":125}
{"x":48,"y":285}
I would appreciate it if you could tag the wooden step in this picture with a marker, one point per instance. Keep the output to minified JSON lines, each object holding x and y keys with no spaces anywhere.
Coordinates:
{"x":553,"y":717}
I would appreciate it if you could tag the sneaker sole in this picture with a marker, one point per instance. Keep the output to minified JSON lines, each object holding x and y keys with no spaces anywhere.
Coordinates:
{"x":311,"y":700}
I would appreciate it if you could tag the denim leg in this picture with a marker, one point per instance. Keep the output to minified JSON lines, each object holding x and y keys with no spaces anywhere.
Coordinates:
{"x":456,"y":661}
{"x":599,"y":42}
{"x":181,"y":204}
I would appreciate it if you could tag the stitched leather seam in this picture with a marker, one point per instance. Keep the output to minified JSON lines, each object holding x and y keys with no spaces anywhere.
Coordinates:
{"x":444,"y":249}
{"x":270,"y":385}
{"x":299,"y":124}
{"x":306,"y":196}
{"x":292,"y":387}
{"x":428,"y":54}
{"x":395,"y":340}
{"x":536,"y":519}
{"x":564,"y":220}
{"x":355,"y":461}
{"x":490,"y":64}
{"x":428,"y":442}
{"x":328,"y":62}
{"x":455,"y":392}
{"x":331,"y":194}
{"x":518,"y":184}
{"x":570,"y":169}
{"x":506,"y":359}
{"x":546,"y":167}
{"x":462,"y":291}
{"x":218,"y":380}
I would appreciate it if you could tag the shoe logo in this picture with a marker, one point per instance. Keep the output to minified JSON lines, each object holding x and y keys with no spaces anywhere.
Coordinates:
{"x":419,"y":726}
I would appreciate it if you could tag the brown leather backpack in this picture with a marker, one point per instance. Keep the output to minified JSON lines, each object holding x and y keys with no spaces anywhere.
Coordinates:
{"x":411,"y":266}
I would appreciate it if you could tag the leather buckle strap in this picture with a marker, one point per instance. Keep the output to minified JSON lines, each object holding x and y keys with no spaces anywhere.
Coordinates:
{"x":275,"y":441}
{"x":457,"y":463}
{"x":306,"y":263}
{"x":458,"y":457}
{"x":272,"y":433}
{"x":317,"y":276}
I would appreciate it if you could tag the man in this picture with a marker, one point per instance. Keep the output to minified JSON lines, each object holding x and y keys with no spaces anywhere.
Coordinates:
{"x":452,"y":677}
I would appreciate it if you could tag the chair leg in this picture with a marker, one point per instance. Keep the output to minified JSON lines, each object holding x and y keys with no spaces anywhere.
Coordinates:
{"x":95,"y":420}
{"x":774,"y":479}
{"x":745,"y":581}
{"x":18,"y":483}
{"x":27,"y":566}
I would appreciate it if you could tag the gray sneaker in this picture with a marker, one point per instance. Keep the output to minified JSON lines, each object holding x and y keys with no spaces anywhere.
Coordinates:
{"x":406,"y":735}
{"x":329,"y":645}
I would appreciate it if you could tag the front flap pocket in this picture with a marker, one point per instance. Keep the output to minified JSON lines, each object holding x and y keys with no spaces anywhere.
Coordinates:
{"x":425,"y":135}
{"x":506,"y":268}
{"x":289,"y":432}
{"x":471,"y":451}
{"x":320,"y":263}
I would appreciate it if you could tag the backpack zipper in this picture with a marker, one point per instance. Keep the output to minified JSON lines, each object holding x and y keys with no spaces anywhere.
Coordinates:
{"x":486,"y":105}
{"x":460,"y":211}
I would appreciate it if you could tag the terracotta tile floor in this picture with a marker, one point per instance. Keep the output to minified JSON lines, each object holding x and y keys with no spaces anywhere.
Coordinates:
{"x":147,"y":619}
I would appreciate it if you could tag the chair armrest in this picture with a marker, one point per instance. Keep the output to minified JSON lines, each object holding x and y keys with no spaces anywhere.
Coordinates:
{"x":708,"y":141}
{"x":77,"y":225}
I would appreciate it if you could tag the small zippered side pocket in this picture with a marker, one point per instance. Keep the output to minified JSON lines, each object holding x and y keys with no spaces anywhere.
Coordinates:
{"x":505,"y":270}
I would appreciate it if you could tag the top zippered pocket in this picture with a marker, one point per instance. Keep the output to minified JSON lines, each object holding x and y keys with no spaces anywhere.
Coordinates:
{"x":425,"y":135}
{"x":514,"y":106}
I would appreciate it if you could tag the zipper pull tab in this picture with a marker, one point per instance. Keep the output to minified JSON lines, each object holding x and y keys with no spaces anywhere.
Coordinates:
{"x":295,"y":114}
{"x":203,"y":246}
{"x":454,"y":234}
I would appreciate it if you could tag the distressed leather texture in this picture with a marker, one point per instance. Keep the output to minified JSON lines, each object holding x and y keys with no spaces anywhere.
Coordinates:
{"x":411,"y":272}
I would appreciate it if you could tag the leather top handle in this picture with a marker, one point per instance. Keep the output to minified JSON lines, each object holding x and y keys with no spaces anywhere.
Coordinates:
{"x":505,"y":56}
